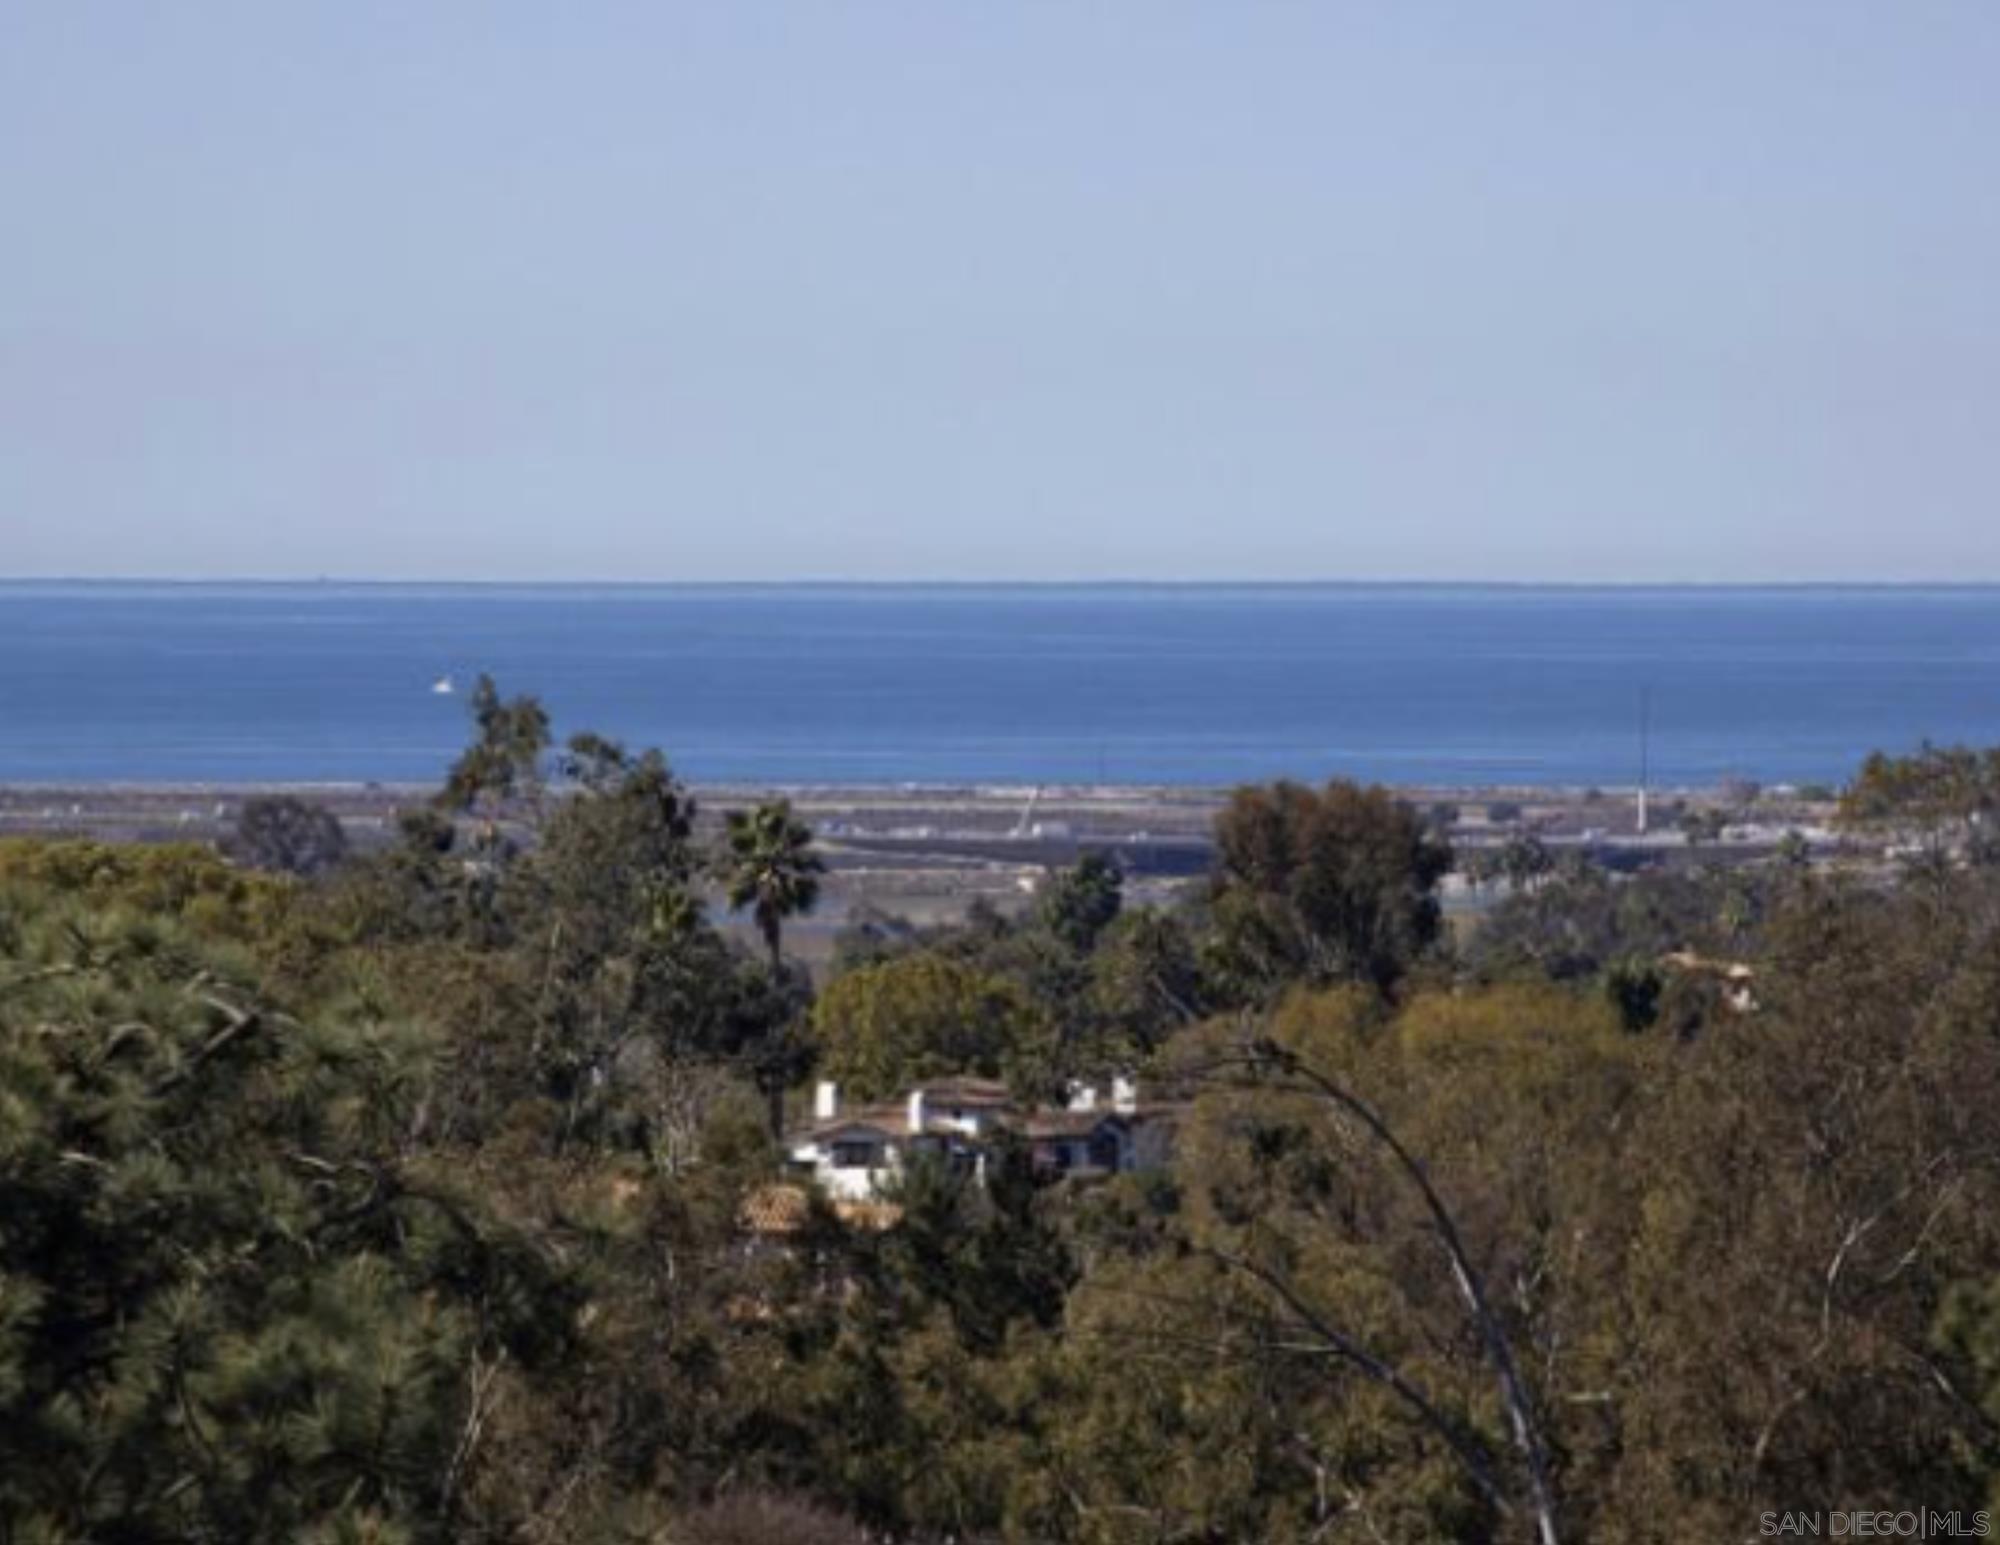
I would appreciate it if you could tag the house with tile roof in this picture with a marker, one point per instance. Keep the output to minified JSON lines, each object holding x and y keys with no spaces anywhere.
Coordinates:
{"x":857,"y":1153}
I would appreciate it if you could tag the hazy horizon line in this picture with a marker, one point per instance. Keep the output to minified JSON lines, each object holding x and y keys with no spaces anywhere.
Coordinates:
{"x":275,"y":581}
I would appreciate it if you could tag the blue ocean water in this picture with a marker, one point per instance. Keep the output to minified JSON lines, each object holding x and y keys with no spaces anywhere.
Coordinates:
{"x":1195,"y":684}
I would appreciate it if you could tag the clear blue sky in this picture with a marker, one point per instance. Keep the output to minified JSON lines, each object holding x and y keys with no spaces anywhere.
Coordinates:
{"x":1036,"y":290}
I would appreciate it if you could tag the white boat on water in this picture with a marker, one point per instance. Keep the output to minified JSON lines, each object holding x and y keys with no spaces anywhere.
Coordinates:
{"x":443,"y":686}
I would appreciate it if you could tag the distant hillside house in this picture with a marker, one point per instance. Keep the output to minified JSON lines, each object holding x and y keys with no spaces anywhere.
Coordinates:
{"x":1737,"y":981}
{"x":856,"y":1154}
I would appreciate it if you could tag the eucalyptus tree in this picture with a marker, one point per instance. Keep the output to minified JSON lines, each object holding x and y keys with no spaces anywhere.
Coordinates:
{"x":502,"y":767}
{"x":1323,"y":885}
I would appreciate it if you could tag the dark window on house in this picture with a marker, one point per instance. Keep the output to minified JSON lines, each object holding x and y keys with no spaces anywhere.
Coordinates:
{"x":854,"y":1155}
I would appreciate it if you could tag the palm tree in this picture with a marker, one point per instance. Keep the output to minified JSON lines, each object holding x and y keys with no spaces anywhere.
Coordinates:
{"x":770,"y":867}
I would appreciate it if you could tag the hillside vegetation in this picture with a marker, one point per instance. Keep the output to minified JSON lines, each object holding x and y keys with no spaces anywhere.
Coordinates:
{"x":400,"y":1198}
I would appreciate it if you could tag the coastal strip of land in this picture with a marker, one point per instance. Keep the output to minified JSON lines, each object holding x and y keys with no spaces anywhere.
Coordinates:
{"x":926,"y":852}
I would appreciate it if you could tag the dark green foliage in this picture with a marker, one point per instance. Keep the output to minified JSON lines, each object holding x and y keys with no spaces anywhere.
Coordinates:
{"x":1328,"y":886}
{"x":420,"y":887}
{"x":768,"y":865}
{"x":237,"y":1306}
{"x":871,"y":936}
{"x":1583,"y":920}
{"x":984,"y":1253}
{"x":502,"y":765}
{"x":289,"y":835}
{"x":1145,"y":983}
{"x":1967,"y":1336}
{"x":1634,"y":987}
{"x":1080,"y":902}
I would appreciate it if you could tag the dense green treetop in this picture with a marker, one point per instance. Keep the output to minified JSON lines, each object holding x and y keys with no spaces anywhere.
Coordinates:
{"x":1328,"y":885}
{"x":289,"y":835}
{"x":883,"y":1027}
{"x":237,"y":1303}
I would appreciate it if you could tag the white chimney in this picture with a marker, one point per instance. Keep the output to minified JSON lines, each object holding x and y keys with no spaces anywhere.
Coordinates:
{"x":826,"y":1100}
{"x":1124,"y":1095}
{"x":916,"y":1110}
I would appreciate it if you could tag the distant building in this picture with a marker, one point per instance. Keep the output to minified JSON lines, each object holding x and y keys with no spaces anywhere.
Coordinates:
{"x":856,"y":1154}
{"x":1736,"y":981}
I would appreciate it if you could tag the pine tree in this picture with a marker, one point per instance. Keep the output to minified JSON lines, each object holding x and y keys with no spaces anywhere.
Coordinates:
{"x":234,"y":1305}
